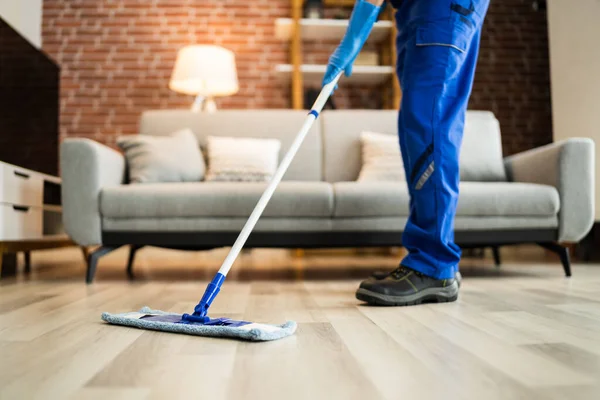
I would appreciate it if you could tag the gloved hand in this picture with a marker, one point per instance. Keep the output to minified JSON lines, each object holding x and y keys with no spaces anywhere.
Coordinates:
{"x":361,"y":22}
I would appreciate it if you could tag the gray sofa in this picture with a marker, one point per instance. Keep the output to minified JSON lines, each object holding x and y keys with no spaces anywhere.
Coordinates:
{"x":541,"y":196}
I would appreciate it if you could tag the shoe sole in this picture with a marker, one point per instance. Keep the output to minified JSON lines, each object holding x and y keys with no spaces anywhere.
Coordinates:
{"x":382,"y":275}
{"x":432,"y":295}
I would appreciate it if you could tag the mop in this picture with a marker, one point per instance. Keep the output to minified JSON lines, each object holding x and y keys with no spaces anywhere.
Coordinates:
{"x":199,"y":323}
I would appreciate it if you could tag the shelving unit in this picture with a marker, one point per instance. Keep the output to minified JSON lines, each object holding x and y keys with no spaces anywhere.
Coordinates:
{"x":298,"y":30}
{"x":361,"y":74}
{"x":334,"y":29}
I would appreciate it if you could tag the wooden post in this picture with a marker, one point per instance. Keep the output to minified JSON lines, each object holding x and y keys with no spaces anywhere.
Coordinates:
{"x":1,"y":259}
{"x":339,"y":3}
{"x":298,"y":253}
{"x":387,"y":58}
{"x":296,"y":57}
{"x":396,"y":92}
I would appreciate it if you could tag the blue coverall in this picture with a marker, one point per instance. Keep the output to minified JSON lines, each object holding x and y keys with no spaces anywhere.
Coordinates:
{"x":438,"y":45}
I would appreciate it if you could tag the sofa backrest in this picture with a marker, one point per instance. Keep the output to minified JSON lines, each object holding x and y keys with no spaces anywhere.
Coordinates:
{"x":341,"y":131}
{"x":278,"y":124}
{"x":481,"y":154}
{"x":480,"y":159}
{"x":331,"y":150}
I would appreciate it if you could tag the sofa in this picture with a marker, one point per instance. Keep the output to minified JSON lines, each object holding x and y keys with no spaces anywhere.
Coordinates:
{"x":542,"y":196}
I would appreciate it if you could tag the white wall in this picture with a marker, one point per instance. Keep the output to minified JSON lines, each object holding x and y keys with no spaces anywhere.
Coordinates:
{"x":25,"y":16}
{"x":574,"y":35}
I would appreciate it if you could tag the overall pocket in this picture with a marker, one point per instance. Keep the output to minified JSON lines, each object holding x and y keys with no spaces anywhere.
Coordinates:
{"x":433,"y":70}
{"x":450,"y":32}
{"x":440,"y":48}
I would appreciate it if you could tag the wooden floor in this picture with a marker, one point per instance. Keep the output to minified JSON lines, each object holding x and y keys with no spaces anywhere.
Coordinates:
{"x":519,"y":332}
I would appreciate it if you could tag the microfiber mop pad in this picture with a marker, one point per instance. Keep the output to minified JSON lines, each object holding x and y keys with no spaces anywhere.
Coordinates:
{"x":157,"y":320}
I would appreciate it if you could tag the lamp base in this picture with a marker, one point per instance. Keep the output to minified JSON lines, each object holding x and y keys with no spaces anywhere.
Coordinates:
{"x":204,"y":104}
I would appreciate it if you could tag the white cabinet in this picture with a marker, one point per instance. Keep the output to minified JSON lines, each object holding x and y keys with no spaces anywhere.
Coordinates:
{"x":29,"y":204}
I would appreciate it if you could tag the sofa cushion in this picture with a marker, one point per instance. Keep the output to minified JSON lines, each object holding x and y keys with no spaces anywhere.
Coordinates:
{"x":381,"y":158}
{"x":173,"y":158}
{"x":242,"y":159}
{"x":204,"y":224}
{"x":370,"y":199}
{"x":378,"y":199}
{"x":215,"y":199}
{"x":462,"y":223}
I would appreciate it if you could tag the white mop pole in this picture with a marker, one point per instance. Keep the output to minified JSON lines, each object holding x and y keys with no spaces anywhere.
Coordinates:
{"x":281,"y":170}
{"x":213,"y":288}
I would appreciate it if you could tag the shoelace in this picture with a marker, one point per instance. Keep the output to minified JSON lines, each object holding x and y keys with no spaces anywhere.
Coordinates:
{"x":402,"y":271}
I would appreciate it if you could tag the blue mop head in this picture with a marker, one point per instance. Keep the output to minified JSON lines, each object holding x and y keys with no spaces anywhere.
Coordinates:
{"x":156,"y":320}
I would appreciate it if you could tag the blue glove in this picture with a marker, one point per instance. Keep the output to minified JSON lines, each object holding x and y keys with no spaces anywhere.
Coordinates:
{"x":361,"y":22}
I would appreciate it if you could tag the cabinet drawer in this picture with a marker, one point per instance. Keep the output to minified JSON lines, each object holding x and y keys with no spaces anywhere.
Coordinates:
{"x":19,"y":186}
{"x":20,"y":222}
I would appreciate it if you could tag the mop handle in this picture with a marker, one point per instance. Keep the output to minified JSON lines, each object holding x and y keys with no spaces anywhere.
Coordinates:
{"x":213,"y":288}
{"x":285,"y":163}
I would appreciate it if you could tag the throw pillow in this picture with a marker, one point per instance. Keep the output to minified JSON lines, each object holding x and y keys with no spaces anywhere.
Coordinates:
{"x":381,"y":158}
{"x":173,"y":158}
{"x":241,"y":159}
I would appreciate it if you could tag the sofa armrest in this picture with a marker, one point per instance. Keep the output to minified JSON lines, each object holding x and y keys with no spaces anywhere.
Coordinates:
{"x":567,"y":165}
{"x":86,"y":168}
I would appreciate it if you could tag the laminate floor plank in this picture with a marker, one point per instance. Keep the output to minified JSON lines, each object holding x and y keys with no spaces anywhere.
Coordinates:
{"x":525,"y":367}
{"x":388,"y":365}
{"x":121,"y":393}
{"x":462,"y":373}
{"x":314,"y":364}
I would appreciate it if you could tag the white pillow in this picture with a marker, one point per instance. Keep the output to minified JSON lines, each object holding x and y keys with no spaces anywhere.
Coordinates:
{"x":241,"y":159}
{"x":381,"y":158}
{"x":172,"y":158}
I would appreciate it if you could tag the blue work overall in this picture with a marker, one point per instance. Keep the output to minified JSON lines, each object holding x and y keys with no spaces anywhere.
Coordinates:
{"x":437,"y":45}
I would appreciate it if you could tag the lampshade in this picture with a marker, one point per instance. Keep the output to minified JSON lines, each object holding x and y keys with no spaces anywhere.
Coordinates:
{"x":204,"y":70}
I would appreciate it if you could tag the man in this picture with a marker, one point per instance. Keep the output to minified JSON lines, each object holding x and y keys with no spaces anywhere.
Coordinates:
{"x":437,"y":49}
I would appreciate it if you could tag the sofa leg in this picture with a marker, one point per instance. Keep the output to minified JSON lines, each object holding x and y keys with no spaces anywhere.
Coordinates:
{"x":132,"y":251}
{"x":85,"y":252}
{"x":563,"y":253}
{"x":27,"y":255}
{"x":496,"y":253}
{"x":8,"y":263}
{"x":92,"y":261}
{"x":298,"y":253}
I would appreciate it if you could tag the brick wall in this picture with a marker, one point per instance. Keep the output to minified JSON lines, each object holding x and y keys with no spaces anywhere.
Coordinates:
{"x":513,"y":74}
{"x":117,"y":57}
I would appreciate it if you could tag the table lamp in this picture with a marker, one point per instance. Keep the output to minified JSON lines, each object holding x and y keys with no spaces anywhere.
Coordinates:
{"x":204,"y":71}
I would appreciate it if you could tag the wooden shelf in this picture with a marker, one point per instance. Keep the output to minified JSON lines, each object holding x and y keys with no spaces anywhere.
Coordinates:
{"x":361,"y":74}
{"x":43,"y":242}
{"x":300,"y":75}
{"x":329,"y":29}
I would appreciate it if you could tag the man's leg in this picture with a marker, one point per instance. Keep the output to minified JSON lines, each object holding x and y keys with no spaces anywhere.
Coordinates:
{"x":436,"y":78}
